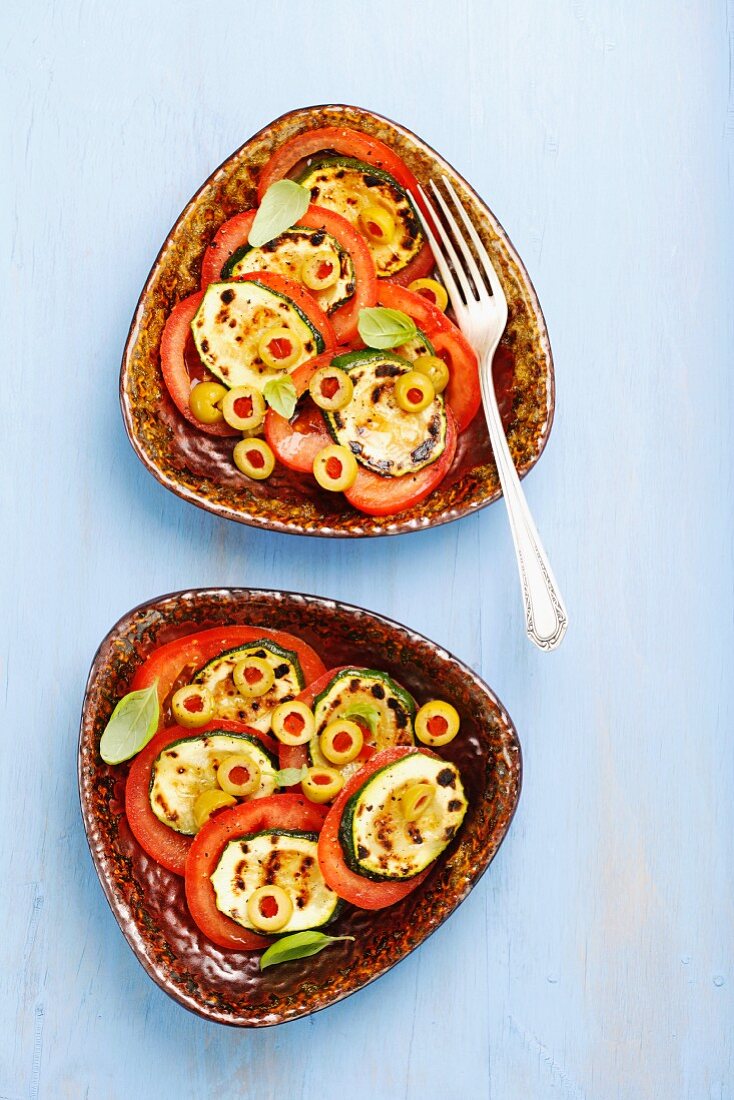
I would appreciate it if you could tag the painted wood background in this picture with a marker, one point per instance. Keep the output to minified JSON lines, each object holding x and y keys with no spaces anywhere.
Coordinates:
{"x":595,"y":958}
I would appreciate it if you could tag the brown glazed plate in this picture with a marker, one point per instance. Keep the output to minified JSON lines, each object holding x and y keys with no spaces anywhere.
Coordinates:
{"x":199,"y":468}
{"x":148,"y":901}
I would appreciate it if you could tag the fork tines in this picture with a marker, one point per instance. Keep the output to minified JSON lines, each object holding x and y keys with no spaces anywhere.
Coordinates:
{"x":456,"y":262}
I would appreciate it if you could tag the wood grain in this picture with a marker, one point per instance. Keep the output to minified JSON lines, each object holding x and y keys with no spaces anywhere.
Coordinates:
{"x":595,"y":958}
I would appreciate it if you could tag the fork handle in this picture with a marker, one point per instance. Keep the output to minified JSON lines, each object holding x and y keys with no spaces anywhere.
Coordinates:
{"x":545,"y":613}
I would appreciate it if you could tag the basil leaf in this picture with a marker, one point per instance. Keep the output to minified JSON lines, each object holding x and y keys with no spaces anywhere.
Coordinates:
{"x":131,"y":726}
{"x":368,"y":712}
{"x":283,"y":204}
{"x":280,"y":394}
{"x":381,"y":327}
{"x":298,"y":946}
{"x":288,"y":777}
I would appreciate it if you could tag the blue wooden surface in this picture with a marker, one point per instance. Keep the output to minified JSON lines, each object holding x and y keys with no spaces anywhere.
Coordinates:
{"x":595,"y":959}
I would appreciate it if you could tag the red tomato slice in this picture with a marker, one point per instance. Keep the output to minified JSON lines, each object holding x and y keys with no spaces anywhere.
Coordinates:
{"x":234,"y":233}
{"x":462,"y":393}
{"x":279,"y":811}
{"x":296,"y":756}
{"x":162,"y":843}
{"x":352,"y":887}
{"x":169,"y":662}
{"x":296,"y":442}
{"x":176,"y":375}
{"x":305,"y":302}
{"x":345,"y":142}
{"x":384,"y":496}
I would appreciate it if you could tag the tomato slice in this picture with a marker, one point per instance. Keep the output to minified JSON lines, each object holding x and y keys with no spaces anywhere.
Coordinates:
{"x":383,"y":496}
{"x":296,"y":756}
{"x":278,"y":811}
{"x":462,"y":393}
{"x":296,"y":442}
{"x":177,"y":345}
{"x":350,"y":886}
{"x":234,"y":233}
{"x":169,"y":662}
{"x":344,"y":141}
{"x":162,"y":843}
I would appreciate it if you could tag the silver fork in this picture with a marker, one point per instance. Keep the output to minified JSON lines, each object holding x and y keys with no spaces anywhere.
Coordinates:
{"x":482,"y":318}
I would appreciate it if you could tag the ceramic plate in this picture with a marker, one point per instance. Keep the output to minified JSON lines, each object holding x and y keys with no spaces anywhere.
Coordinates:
{"x":199,"y":468}
{"x":148,"y":901}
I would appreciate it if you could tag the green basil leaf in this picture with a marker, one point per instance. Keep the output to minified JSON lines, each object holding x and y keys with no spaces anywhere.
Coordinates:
{"x":288,"y":777}
{"x":131,"y":726}
{"x":298,"y":946}
{"x":382,"y":328}
{"x":368,"y":712}
{"x":283,"y":204}
{"x":280,"y":394}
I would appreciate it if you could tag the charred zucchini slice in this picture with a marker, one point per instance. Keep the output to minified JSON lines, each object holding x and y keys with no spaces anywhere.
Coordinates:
{"x":381,"y":838}
{"x":278,"y":857}
{"x":353,"y":189}
{"x":382,"y":436}
{"x":381,"y":707}
{"x":218,"y":675}
{"x":287,"y":255}
{"x":187,"y":768}
{"x":229,"y":325}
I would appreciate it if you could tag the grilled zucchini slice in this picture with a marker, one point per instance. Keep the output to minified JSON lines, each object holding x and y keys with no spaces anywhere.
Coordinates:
{"x":286,"y":255}
{"x":351,"y":188}
{"x":383,"y":709}
{"x":377,"y":838}
{"x":188,"y":767}
{"x":278,"y":857}
{"x":382,"y":436}
{"x":217,"y":676}
{"x":230,"y":323}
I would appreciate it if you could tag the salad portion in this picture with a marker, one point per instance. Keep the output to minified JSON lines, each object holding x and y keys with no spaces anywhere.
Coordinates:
{"x":280,"y":790}
{"x":319,"y":340}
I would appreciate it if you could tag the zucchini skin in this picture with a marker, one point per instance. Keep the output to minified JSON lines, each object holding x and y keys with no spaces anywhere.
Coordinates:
{"x":352,"y":359}
{"x":276,"y":832}
{"x":264,"y":643}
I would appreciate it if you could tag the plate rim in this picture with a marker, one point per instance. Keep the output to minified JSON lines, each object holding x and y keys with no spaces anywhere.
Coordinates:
{"x":120,"y":909}
{"x":402,"y":526}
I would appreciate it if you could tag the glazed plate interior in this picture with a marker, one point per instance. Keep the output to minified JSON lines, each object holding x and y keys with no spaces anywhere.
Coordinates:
{"x":199,"y":468}
{"x":148,"y":901}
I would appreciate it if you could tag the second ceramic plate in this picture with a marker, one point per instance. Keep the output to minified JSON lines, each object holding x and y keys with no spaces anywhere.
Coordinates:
{"x":148,"y":901}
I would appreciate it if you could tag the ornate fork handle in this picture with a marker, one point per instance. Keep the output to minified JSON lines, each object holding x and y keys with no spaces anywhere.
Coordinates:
{"x":545,"y":614}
